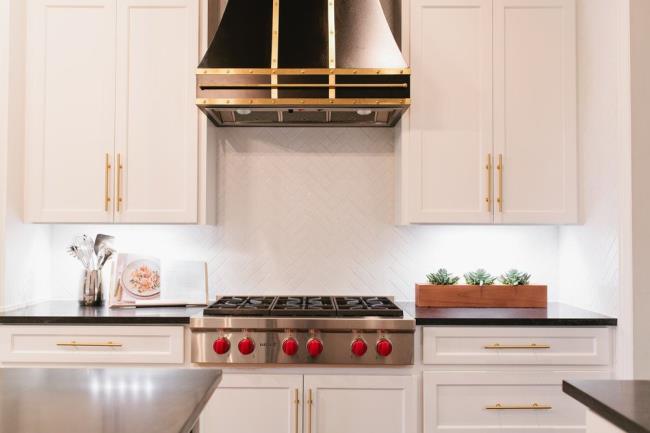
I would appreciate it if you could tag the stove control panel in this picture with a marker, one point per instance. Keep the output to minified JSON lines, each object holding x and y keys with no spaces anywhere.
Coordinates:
{"x":367,"y":347}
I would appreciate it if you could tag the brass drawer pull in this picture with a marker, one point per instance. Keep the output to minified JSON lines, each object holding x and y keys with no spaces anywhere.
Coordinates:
{"x":488,"y":167}
{"x":107,"y":175}
{"x":296,"y":402}
{"x":310,"y":402}
{"x":534,"y":406}
{"x":120,"y":166}
{"x":79,"y":344}
{"x":500,"y":170}
{"x":517,"y":346}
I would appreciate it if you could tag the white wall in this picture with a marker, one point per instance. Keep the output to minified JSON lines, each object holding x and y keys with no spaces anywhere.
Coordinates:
{"x":592,"y":264}
{"x":640,"y":59}
{"x":311,"y":210}
{"x":4,"y":111}
{"x":25,"y":247}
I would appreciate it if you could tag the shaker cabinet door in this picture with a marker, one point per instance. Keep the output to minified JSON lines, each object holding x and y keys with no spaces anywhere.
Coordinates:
{"x":535,"y":111}
{"x":156,"y":143}
{"x":451,"y":112}
{"x":255,"y":403}
{"x":360,"y":404}
{"x":69,"y":110}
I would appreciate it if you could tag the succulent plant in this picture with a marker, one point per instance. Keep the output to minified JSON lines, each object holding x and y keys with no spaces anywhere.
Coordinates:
{"x":514,"y":278}
{"x":480,"y":277}
{"x":442,"y":278}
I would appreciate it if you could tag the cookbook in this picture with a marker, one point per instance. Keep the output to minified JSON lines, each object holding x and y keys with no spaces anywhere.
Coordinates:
{"x":145,"y":281}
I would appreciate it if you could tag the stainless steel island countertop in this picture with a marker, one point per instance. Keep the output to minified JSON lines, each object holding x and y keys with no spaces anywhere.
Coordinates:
{"x":135,"y":400}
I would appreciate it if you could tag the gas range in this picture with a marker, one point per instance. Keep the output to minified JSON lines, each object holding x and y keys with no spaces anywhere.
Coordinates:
{"x":322,"y":330}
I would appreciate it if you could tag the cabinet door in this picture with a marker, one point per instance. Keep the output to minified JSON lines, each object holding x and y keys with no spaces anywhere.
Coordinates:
{"x":535,"y":110}
{"x":507,"y":401}
{"x":360,"y":404}
{"x":255,"y":403}
{"x":451,"y":112}
{"x":70,"y":103}
{"x":156,"y":125}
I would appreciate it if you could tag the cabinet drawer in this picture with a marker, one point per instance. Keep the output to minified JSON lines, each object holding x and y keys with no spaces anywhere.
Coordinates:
{"x":471,"y":402}
{"x":92,"y":344}
{"x":516,"y":345}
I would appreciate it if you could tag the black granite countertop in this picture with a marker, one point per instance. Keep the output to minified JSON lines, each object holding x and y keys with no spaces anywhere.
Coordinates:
{"x":556,"y":314}
{"x":35,"y":400}
{"x":70,"y":313}
{"x":624,"y":403}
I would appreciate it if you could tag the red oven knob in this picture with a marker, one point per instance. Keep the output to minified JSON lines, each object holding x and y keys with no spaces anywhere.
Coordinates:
{"x":290,"y":346}
{"x":359,"y":347}
{"x":221,"y":345}
{"x":314,"y":347}
{"x":384,"y":347}
{"x":246,"y":346}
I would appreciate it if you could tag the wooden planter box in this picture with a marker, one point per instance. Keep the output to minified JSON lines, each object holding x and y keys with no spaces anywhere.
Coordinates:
{"x":496,"y":296}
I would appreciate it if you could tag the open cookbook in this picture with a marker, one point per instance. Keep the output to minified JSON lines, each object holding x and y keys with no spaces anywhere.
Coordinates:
{"x":144,"y":281}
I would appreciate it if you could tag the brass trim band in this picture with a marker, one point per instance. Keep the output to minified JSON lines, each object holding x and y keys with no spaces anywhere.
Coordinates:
{"x":305,"y":85}
{"x":303,"y":101}
{"x":274,"y":44}
{"x":331,"y":45}
{"x":305,"y":71}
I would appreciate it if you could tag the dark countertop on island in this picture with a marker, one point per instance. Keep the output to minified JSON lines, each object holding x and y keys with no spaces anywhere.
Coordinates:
{"x":71,"y":313}
{"x":41,"y":400}
{"x":624,"y":403}
{"x":556,"y":314}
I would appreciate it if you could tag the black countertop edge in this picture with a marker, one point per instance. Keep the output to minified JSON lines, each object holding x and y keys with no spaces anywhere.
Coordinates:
{"x":515,"y":322}
{"x":609,"y":411}
{"x":84,"y":320}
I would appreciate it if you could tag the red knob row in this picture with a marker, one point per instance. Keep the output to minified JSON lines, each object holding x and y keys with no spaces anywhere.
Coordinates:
{"x":290,"y":346}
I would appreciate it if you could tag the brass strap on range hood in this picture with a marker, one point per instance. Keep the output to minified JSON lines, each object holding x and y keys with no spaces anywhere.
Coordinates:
{"x":303,"y":71}
{"x":331,"y":42}
{"x":275,"y":29}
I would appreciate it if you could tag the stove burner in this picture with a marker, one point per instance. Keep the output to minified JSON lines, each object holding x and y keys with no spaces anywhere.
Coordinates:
{"x":304,"y":306}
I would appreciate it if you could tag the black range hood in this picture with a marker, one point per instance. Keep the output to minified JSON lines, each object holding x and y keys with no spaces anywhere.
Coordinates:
{"x":303,"y":63}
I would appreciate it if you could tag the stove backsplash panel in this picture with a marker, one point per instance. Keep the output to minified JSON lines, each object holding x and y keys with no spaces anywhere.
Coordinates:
{"x":311,"y":211}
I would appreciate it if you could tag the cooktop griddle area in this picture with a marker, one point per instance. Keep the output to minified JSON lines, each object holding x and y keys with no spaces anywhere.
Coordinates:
{"x":304,"y":306}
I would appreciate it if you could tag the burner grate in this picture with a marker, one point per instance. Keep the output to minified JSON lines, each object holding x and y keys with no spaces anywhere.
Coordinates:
{"x":351,"y":306}
{"x":304,"y":306}
{"x":241,"y":306}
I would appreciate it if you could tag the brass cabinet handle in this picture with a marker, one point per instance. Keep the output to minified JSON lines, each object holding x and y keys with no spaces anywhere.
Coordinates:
{"x":517,"y":346}
{"x":296,"y":402}
{"x":310,"y":403}
{"x":533,"y":406}
{"x":120,"y":166}
{"x":107,"y":174}
{"x":79,"y":344}
{"x":488,"y":167}
{"x":500,"y":170}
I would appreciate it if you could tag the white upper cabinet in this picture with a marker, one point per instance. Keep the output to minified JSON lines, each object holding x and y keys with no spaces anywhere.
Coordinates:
{"x":70,"y":106}
{"x":535,"y":110}
{"x":451,"y":115}
{"x":492,"y":136}
{"x":156,"y":124}
{"x":111,"y":125}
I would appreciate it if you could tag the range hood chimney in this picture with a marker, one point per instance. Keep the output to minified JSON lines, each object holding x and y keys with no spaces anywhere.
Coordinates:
{"x":303,"y":63}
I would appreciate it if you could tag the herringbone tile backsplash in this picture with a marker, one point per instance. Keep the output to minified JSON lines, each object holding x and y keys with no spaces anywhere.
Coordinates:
{"x":311,"y":210}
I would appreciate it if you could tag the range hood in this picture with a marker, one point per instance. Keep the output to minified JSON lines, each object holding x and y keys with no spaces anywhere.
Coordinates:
{"x":303,"y":63}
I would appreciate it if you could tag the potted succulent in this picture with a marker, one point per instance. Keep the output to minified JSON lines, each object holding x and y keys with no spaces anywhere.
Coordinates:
{"x":480,"y":290}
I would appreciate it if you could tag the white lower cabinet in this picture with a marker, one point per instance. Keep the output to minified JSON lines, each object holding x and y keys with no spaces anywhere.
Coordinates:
{"x":360,"y":404}
{"x":503,"y":401}
{"x":256,"y":403}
